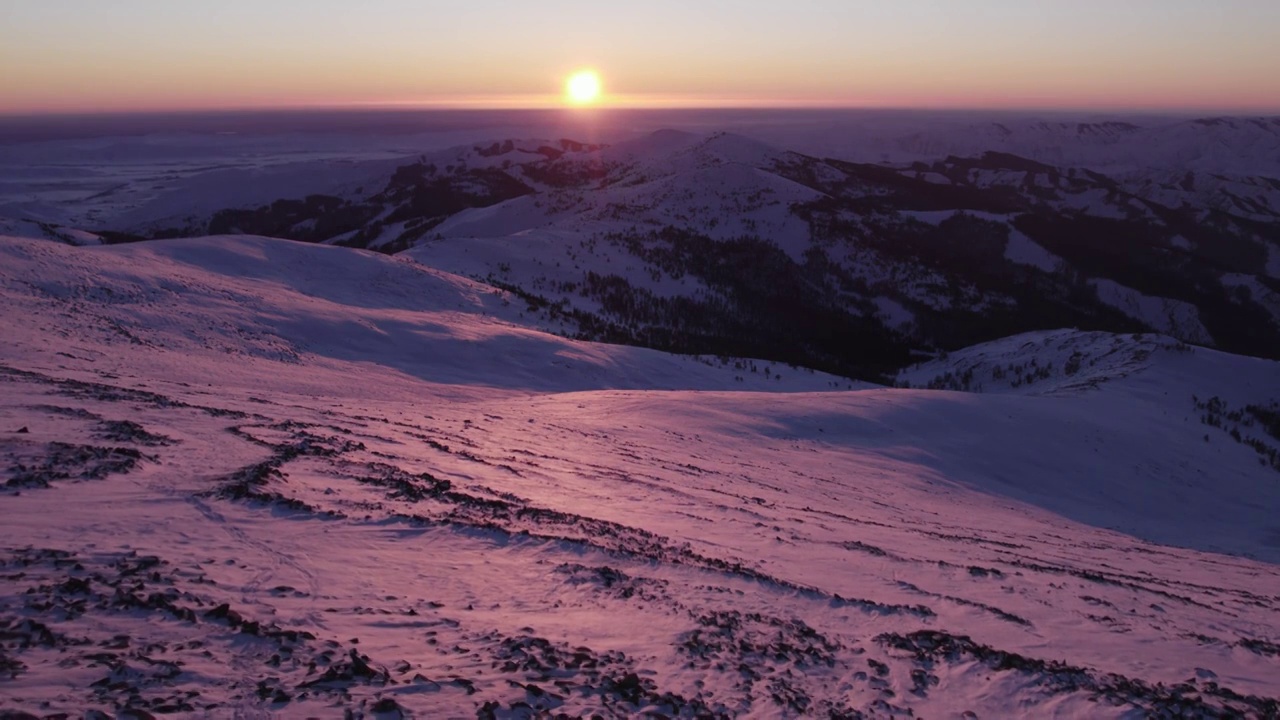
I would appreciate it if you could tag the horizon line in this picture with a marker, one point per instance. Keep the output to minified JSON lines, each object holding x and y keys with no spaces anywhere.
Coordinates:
{"x":560,"y":108}
{"x":611,"y":102}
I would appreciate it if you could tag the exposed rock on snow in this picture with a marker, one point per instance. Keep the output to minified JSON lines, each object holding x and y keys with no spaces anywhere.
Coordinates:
{"x":317,"y":498}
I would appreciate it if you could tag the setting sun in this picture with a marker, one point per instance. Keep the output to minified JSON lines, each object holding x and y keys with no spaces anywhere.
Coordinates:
{"x":583,"y":88}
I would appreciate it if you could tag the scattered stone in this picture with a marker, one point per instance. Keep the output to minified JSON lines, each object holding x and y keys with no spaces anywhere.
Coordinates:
{"x":1208,"y":699}
{"x":64,"y":461}
{"x":131,"y":432}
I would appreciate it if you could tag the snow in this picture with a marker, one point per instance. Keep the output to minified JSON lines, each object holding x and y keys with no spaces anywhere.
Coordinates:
{"x":206,"y":193}
{"x":126,"y":183}
{"x":1173,"y":317}
{"x":383,"y":455}
{"x":715,"y":185}
{"x":165,"y":180}
{"x":1258,"y":292}
{"x":32,"y":228}
{"x":1097,"y":203}
{"x":937,"y":217}
{"x":1142,"y":370}
{"x":266,"y":299}
{"x":895,"y":315}
{"x":501,"y":220}
{"x":935,"y":178}
{"x":1233,"y":146}
{"x":1025,"y":251}
{"x":659,"y":142}
{"x":467,"y":502}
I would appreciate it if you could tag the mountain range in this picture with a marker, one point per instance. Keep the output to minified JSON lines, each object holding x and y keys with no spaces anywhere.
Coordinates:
{"x":678,"y":424}
{"x":721,"y":244}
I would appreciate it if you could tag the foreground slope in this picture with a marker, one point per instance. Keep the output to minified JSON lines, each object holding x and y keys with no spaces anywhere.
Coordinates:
{"x":262,"y":476}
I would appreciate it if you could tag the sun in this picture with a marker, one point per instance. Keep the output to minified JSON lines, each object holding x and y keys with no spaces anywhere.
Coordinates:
{"x":583,"y":88}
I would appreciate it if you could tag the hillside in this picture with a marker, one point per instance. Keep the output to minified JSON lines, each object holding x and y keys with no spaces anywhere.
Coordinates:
{"x":246,"y":475}
{"x":264,"y":302}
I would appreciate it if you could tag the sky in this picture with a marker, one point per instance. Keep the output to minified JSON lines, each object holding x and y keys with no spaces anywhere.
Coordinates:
{"x":142,"y":55}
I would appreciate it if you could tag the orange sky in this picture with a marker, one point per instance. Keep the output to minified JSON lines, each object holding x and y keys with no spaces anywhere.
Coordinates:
{"x":86,"y":55}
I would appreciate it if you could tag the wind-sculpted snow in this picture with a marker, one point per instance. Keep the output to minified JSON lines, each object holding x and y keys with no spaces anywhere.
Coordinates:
{"x":308,"y":533}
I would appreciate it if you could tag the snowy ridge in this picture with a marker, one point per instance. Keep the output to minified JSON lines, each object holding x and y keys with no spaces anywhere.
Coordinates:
{"x":32,"y":228}
{"x":339,"y":480}
{"x":1172,"y":317}
{"x":262,"y":299}
{"x":1223,"y":146}
{"x":1043,"y":362}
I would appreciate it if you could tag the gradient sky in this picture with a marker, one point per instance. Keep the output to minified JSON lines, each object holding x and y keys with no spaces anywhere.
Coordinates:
{"x":91,"y":55}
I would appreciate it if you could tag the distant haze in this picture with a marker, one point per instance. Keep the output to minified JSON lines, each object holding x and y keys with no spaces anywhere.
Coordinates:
{"x":1110,"y":55}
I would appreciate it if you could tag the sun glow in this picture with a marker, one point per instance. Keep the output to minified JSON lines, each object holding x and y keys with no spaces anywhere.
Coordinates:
{"x":583,"y":88}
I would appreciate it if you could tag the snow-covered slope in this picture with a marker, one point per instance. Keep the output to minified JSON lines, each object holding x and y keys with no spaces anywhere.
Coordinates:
{"x":1070,"y":361}
{"x":33,"y":229}
{"x":261,"y":299}
{"x":258,"y":476}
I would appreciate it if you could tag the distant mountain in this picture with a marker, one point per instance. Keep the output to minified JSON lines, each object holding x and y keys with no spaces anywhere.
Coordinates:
{"x":1228,"y":146}
{"x":722,"y":244}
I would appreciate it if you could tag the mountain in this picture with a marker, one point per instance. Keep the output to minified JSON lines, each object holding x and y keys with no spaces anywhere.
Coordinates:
{"x":721,"y":244}
{"x":1116,"y":145}
{"x":943,"y":256}
{"x":246,"y":475}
